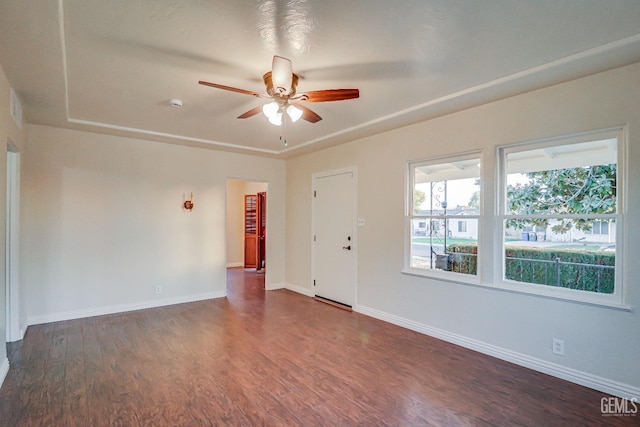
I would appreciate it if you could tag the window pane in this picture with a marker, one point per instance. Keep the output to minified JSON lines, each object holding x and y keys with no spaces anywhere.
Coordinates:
{"x":442,"y":246}
{"x":555,"y":255}
{"x":447,"y":188}
{"x":571,"y":184}
{"x":445,"y":195}
{"x":566,"y":179}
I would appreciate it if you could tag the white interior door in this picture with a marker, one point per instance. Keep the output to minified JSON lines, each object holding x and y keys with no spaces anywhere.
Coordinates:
{"x":334,"y":241}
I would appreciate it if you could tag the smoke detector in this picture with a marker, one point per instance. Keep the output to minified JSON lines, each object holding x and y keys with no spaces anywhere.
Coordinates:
{"x":177,"y":103}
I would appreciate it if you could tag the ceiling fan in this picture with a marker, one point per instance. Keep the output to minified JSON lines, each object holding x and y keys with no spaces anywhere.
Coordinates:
{"x":281,"y":83}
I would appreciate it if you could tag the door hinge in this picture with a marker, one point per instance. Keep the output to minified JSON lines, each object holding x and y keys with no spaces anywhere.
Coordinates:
{"x":314,"y":237}
{"x":314,"y":193}
{"x":314,"y":282}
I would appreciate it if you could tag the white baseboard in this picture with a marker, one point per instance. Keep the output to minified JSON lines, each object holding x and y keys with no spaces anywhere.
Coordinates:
{"x":100,"y":311}
{"x":274,"y":286}
{"x":235,"y":264}
{"x":299,"y":289}
{"x":4,"y":370}
{"x":586,"y":379}
{"x":17,"y":337}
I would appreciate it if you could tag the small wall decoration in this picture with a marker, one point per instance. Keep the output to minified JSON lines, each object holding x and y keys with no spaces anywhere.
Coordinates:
{"x":188,"y":204}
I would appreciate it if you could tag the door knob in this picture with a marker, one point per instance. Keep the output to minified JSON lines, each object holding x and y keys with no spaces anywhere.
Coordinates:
{"x":347,"y":247}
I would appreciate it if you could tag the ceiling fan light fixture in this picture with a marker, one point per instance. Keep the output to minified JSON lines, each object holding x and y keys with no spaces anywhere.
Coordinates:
{"x":276,"y":119}
{"x":282,"y":74}
{"x":294,"y":113}
{"x":270,"y":109}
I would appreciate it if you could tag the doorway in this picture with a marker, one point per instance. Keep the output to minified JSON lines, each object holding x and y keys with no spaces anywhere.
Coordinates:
{"x":246,"y":224}
{"x":334,"y":243}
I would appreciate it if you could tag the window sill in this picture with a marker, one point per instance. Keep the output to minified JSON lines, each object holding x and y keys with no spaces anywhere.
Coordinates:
{"x":610,"y":301}
{"x":446,"y":276}
{"x":561,"y":294}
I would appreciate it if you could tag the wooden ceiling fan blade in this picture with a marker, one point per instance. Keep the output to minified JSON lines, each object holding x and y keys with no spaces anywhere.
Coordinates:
{"x":232,"y":89}
{"x":251,"y":112}
{"x":329,"y":95}
{"x":308,"y":114}
{"x":282,"y":73}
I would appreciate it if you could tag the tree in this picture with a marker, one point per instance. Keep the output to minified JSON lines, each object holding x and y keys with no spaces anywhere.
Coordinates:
{"x":474,"y":200}
{"x":581,"y":190}
{"x":419,"y":197}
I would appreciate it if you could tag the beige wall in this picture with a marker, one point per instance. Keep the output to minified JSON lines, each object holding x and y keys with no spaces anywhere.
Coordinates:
{"x":235,"y":225}
{"x":599,"y":341}
{"x":104,"y":223}
{"x":236,"y":190}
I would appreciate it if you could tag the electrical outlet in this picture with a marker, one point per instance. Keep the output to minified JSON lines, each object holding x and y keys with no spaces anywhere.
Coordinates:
{"x":158,"y":289}
{"x":558,"y":347}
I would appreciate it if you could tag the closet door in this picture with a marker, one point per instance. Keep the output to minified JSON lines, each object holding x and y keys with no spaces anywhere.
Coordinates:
{"x":250,"y":231}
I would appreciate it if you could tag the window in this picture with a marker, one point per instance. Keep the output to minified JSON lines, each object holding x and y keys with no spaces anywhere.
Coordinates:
{"x":599,"y":227}
{"x":554,"y":230}
{"x":560,"y":214}
{"x":443,"y":211}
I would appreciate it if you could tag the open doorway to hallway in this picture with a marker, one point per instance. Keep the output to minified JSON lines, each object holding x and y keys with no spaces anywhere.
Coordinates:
{"x":246,"y":226}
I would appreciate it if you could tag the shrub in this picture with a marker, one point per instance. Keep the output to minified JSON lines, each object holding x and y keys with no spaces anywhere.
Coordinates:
{"x":567,"y":268}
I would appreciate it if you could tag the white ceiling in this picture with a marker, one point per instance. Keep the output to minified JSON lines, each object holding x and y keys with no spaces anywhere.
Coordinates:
{"x":113,"y":65}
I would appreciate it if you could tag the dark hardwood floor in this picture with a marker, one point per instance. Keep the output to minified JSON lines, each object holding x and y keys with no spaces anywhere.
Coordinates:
{"x":271,"y":358}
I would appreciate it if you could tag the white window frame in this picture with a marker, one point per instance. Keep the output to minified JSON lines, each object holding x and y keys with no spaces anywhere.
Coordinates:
{"x":410,"y":216}
{"x":616,"y":299}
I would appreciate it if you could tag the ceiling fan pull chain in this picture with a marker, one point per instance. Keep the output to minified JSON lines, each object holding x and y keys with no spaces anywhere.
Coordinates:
{"x":283,"y":136}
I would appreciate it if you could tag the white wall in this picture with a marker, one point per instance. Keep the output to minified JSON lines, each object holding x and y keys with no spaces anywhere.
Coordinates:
{"x":236,"y":190}
{"x":104,"y":223}
{"x":599,"y":342}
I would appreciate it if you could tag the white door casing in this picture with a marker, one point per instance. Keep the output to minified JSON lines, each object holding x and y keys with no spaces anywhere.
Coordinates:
{"x":334,"y":239}
{"x":13,"y":331}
